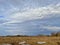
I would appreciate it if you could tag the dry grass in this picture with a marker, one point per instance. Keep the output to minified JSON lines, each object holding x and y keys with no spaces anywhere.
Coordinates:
{"x":31,"y":40}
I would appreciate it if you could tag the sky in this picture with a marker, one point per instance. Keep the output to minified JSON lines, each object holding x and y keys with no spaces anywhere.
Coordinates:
{"x":29,"y":17}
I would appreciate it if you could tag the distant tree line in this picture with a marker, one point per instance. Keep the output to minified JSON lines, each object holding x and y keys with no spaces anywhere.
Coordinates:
{"x":16,"y":35}
{"x":52,"y":34}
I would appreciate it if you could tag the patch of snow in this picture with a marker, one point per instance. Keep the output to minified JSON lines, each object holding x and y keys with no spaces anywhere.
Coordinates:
{"x":23,"y":42}
{"x":41,"y":42}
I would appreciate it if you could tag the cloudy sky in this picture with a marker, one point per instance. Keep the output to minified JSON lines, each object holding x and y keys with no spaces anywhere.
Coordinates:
{"x":29,"y":17}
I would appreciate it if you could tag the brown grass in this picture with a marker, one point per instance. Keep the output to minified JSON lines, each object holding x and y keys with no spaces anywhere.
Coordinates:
{"x":31,"y":40}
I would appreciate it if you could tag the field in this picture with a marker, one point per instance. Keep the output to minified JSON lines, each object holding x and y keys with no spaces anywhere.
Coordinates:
{"x":31,"y":40}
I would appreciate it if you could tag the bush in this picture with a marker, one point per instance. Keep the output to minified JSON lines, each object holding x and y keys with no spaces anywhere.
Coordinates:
{"x":55,"y":34}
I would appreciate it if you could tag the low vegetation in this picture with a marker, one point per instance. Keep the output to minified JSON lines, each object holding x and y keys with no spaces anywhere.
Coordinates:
{"x":53,"y":39}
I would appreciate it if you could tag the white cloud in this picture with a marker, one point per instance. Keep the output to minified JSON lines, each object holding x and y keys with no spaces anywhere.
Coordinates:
{"x":34,"y":13}
{"x":52,"y":28}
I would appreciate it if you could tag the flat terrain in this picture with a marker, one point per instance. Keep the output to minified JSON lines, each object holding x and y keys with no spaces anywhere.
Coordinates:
{"x":31,"y":40}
